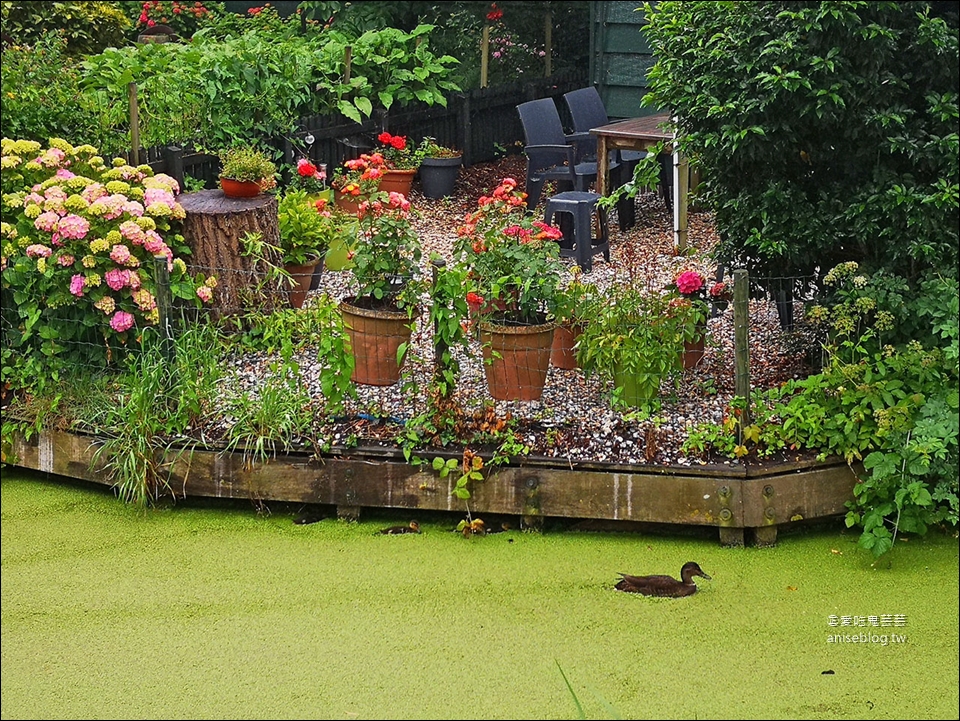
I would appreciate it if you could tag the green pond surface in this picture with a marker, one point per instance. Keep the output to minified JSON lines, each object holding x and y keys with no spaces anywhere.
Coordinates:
{"x":211,"y":610}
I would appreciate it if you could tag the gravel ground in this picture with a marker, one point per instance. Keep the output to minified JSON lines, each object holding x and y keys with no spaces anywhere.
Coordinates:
{"x":573,"y":421}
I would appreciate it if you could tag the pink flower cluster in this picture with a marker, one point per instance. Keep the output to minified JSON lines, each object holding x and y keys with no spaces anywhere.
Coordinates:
{"x":690,"y":282}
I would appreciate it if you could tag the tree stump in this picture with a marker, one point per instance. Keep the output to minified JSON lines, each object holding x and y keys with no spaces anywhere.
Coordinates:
{"x":214,"y":228}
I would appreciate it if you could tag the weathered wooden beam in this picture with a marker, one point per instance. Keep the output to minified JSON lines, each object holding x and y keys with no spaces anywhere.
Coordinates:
{"x":533,"y":491}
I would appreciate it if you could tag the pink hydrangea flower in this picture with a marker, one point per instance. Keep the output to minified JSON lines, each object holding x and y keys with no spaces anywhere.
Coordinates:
{"x":120,"y":254}
{"x":117,"y":278}
{"x":38,"y":251}
{"x":154,"y":243}
{"x":76,"y":285}
{"x":689,"y":282}
{"x":205,"y":293}
{"x":66,"y":260}
{"x":47,"y":222}
{"x":73,"y":226}
{"x":132,"y":232}
{"x":121,"y":321}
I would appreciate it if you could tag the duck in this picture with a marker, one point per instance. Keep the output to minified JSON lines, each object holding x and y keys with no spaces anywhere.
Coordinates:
{"x":412,"y":527}
{"x":663,"y":586}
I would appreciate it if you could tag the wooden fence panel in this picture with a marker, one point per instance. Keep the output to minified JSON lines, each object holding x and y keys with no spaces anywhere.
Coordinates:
{"x":482,"y":122}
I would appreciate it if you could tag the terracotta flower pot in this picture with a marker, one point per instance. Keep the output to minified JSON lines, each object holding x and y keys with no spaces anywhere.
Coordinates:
{"x":240,"y":188}
{"x":516,"y":359}
{"x":397,"y":181}
{"x":563,"y":355}
{"x":346,"y":203}
{"x":304,"y":275}
{"x":374,"y":337}
{"x":693,"y":349}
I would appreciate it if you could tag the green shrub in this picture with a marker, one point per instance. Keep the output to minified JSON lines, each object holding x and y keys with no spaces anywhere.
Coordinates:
{"x":42,"y":97}
{"x":828,"y":131}
{"x":87,"y":27}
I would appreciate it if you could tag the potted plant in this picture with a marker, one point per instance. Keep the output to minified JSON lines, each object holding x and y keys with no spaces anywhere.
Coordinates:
{"x":401,"y":161}
{"x":691,"y":287}
{"x":310,"y":178}
{"x":515,"y":292}
{"x":357,"y":179}
{"x":438,"y":169}
{"x":385,"y":270}
{"x":307,"y":230}
{"x":635,"y":337}
{"x":246,"y":172}
{"x":575,"y":313}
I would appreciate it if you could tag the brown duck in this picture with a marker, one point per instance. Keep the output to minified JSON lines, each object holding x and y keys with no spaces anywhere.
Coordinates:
{"x":412,"y":527}
{"x":663,"y":586}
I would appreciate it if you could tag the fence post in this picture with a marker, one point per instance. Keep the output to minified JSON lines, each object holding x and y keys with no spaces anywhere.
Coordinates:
{"x":173,"y":158}
{"x":484,"y":55}
{"x":464,"y":122}
{"x":134,"y":122}
{"x":741,"y":340}
{"x":164,"y":299}
{"x":548,"y":43}
{"x":440,"y":347}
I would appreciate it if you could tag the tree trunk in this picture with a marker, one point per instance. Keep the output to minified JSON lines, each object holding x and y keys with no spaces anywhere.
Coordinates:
{"x":214,"y":228}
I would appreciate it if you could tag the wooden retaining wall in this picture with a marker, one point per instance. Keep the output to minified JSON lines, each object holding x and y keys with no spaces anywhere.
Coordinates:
{"x":735,"y":500}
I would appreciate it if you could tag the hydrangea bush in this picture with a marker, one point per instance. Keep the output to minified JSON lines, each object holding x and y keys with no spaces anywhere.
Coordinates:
{"x":78,"y":238}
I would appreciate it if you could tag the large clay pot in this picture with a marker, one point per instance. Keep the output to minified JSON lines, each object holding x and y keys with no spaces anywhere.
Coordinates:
{"x":693,"y":349}
{"x":563,"y":355}
{"x":438,"y":176}
{"x":346,"y":203}
{"x":240,"y":188}
{"x":397,"y":181}
{"x":304,"y":276}
{"x":373,"y":338}
{"x":516,"y":359}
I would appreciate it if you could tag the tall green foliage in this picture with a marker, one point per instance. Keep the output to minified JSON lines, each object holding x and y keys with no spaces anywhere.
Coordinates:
{"x":827,"y":130}
{"x":87,"y":27}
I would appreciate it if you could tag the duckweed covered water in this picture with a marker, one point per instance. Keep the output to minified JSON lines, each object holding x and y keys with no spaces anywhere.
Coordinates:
{"x":213,"y":611}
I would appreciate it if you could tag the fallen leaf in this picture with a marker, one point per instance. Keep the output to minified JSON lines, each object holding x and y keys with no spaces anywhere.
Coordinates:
{"x":834,"y":550}
{"x":791,"y":588}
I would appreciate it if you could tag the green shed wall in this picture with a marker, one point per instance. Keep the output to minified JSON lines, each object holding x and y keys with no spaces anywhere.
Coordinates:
{"x":619,"y":57}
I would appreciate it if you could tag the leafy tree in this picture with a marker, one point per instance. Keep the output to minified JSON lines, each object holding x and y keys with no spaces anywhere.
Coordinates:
{"x":827,"y":130}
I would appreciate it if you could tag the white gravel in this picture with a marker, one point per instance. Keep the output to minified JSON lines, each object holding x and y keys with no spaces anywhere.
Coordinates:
{"x":573,"y":421}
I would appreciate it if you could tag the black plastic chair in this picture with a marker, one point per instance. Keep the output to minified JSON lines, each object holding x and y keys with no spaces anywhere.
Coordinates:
{"x":588,"y":111}
{"x":550,"y":153}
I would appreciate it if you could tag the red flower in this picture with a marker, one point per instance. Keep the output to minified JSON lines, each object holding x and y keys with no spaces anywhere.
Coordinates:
{"x":306,"y":169}
{"x":495,"y":13}
{"x":399,"y":142}
{"x":474,"y":299}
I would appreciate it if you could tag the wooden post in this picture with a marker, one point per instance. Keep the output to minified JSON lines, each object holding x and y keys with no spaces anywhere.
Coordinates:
{"x":173,"y":158}
{"x":484,"y":56}
{"x":164,"y":298}
{"x":134,"y":122}
{"x":741,"y":340}
{"x":440,"y":347}
{"x":548,"y":43}
{"x":466,"y":126}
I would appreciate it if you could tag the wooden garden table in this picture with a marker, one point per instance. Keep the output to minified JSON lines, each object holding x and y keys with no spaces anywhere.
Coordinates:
{"x":642,"y":134}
